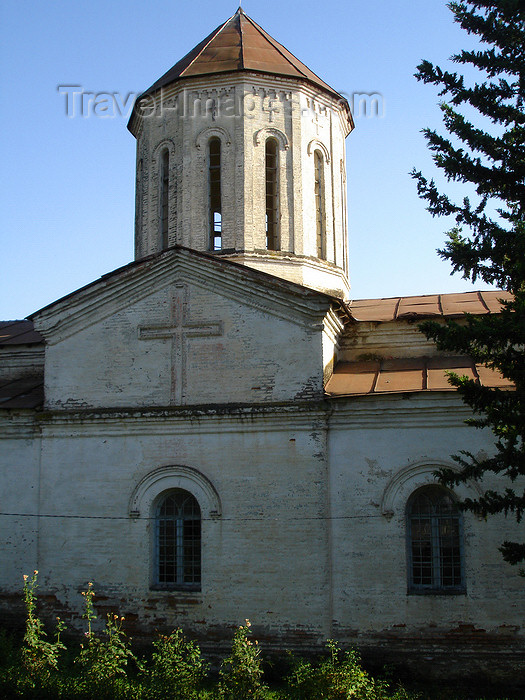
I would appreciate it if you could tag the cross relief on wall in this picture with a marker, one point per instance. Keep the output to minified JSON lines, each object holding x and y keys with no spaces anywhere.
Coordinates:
{"x":271,"y":108}
{"x":181,"y":331}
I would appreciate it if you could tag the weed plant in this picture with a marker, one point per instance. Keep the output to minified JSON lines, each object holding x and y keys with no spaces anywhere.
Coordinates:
{"x":105,"y":667}
{"x":241,"y":672}
{"x":38,"y":655}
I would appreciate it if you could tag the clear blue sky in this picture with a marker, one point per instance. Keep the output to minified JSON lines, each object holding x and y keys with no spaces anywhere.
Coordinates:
{"x":68,"y":186}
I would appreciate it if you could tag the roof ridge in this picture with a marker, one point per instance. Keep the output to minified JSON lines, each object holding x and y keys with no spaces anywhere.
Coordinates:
{"x":482,"y":301}
{"x":211,"y":38}
{"x":277,"y":46}
{"x":241,"y":14}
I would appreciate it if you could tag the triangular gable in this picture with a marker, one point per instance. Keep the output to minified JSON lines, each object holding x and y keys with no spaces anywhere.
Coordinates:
{"x":130,"y":283}
{"x":185,"y":328}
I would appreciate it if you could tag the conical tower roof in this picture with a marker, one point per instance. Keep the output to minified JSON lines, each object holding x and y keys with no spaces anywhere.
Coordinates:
{"x":239,"y":44}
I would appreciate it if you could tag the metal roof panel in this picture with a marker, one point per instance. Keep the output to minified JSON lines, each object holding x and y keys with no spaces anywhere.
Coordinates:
{"x":401,"y":375}
{"x":412,"y":307}
{"x":353,"y":378}
{"x":19,"y":333}
{"x":407,"y":375}
{"x":492,"y":300}
{"x":490,"y":377}
{"x":437,"y":367}
{"x":374,"y":309}
{"x":428,"y":305}
{"x":22,"y":393}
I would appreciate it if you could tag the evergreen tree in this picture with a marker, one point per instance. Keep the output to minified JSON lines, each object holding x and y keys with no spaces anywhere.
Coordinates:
{"x":488,"y":240}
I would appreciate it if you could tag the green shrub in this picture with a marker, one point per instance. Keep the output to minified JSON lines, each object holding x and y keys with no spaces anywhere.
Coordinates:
{"x":177,"y":669}
{"x":39,"y":656}
{"x":338,"y":677}
{"x":241,"y":672}
{"x":103,"y":658}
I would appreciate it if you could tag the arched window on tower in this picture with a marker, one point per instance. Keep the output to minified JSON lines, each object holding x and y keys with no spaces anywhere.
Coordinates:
{"x":272,"y":194}
{"x":320,"y":204}
{"x":434,"y":542}
{"x":215,"y":207}
{"x":164,"y":197}
{"x":178,"y":541}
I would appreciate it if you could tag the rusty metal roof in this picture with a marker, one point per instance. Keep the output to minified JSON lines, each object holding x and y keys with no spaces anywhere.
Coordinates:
{"x":399,"y":308}
{"x":407,"y":375}
{"x":239,"y":44}
{"x":19,"y":333}
{"x":25,"y":391}
{"x":22,"y":393}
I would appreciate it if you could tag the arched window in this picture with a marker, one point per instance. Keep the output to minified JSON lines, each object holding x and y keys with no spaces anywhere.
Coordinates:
{"x":164,"y":196}
{"x":178,"y":541}
{"x":214,"y":174}
{"x":320,"y":204}
{"x":272,"y":194}
{"x":435,"y":551}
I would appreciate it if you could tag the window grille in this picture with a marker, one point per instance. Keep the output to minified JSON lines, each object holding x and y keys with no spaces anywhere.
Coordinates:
{"x":319,"y":205}
{"x":214,"y":165}
{"x":272,"y":195}
{"x":178,"y":540}
{"x":164,"y":196}
{"x":434,"y":542}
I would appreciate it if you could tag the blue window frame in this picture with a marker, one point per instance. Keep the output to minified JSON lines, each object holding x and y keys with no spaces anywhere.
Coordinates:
{"x":434,"y":542}
{"x":178,"y":541}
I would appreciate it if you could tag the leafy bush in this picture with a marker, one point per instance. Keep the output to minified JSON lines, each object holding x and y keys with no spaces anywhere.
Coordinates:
{"x":176,"y":671}
{"x":241,"y":672}
{"x":338,"y":677}
{"x":39,"y":656}
{"x":102,"y":659}
{"x":178,"y":668}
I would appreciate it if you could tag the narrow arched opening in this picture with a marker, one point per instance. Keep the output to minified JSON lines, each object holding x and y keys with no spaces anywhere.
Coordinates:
{"x":215,"y":195}
{"x":177,"y":541}
{"x":272,"y":194}
{"x":164,"y":197}
{"x":320,"y":215}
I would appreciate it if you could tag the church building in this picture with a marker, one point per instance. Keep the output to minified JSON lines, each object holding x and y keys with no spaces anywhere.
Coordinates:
{"x":217,"y":431}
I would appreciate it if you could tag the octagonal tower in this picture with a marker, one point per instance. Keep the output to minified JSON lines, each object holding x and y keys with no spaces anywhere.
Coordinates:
{"x":241,"y":153}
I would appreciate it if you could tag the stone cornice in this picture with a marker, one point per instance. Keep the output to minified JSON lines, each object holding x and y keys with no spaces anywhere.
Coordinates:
{"x":401,"y":410}
{"x":416,"y":410}
{"x":283,"y":261}
{"x":251,"y":82}
{"x":23,"y":357}
{"x":281,"y":417}
{"x":19,"y":424}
